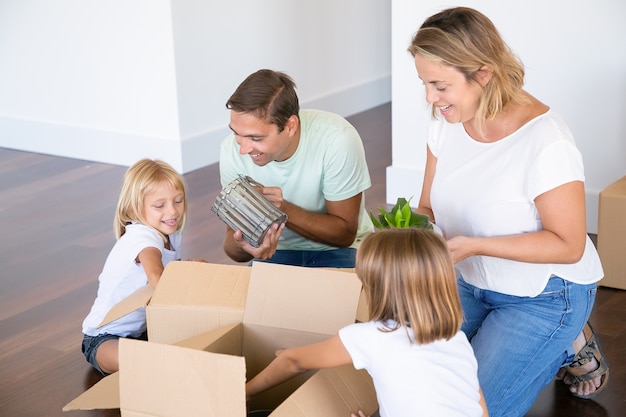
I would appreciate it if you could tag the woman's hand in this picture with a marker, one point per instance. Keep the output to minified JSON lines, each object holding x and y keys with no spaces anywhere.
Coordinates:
{"x":461,"y":247}
{"x":358,"y":414}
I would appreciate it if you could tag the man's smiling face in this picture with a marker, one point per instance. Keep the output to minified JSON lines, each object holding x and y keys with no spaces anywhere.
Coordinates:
{"x":262,"y":141}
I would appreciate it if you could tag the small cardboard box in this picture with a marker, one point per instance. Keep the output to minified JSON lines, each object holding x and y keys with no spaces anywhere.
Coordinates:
{"x":205,"y":374}
{"x":191,"y":298}
{"x":612,"y":234}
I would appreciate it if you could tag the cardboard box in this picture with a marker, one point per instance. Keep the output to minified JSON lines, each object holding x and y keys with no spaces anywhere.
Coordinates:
{"x":612,"y":234}
{"x":205,"y":375}
{"x":191,"y":298}
{"x":362,"y":312}
{"x":331,"y":392}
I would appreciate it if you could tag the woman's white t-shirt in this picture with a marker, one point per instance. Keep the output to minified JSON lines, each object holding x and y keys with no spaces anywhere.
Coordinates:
{"x":488,"y":189}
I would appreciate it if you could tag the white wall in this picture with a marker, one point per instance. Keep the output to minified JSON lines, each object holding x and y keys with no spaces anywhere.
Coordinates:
{"x":119,"y":80}
{"x":574,"y":52}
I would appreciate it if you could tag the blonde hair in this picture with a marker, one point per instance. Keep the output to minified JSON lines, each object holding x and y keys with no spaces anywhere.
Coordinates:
{"x":140,"y":180}
{"x":408,"y":276}
{"x":467,"y":40}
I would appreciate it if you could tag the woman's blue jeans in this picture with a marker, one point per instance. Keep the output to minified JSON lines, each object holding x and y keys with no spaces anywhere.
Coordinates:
{"x":521,"y":342}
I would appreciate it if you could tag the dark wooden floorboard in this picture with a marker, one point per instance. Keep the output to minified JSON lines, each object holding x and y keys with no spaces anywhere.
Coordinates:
{"x":57,"y":216}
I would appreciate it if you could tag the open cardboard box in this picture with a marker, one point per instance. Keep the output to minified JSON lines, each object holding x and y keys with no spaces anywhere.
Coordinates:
{"x":195,"y":297}
{"x":191,"y":298}
{"x":205,"y":375}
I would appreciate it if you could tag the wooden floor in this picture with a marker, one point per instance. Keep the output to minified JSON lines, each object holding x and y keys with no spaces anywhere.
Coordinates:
{"x":57,"y":218}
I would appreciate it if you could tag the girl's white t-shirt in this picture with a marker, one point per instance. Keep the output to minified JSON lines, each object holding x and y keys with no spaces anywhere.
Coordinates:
{"x":121,"y":276}
{"x":436,"y":379}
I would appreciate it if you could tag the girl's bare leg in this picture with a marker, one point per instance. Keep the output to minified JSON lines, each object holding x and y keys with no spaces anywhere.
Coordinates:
{"x":107,"y":356}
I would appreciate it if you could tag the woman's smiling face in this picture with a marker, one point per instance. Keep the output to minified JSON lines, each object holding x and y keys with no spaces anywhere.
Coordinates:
{"x":455,"y":98}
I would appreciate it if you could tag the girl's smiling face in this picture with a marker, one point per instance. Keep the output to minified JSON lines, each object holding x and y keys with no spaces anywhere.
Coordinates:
{"x":455,"y":98}
{"x":163,"y":208}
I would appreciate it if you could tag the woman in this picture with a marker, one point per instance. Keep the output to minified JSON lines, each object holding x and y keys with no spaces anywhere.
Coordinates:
{"x":505,"y":183}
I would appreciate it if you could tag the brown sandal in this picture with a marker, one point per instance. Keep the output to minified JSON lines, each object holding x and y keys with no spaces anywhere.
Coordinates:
{"x":591,"y":350}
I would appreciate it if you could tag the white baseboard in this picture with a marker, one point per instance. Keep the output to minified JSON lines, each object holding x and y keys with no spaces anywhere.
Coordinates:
{"x":85,"y":143}
{"x":203,"y":150}
{"x":354,"y":99}
{"x":184,"y":154}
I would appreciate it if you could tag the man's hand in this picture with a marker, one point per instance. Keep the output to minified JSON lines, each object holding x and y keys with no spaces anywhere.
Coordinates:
{"x":274,"y":195}
{"x":267,"y":248}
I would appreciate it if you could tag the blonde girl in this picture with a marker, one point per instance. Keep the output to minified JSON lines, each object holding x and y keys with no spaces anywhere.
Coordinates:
{"x":419,"y":360}
{"x":150,"y":215}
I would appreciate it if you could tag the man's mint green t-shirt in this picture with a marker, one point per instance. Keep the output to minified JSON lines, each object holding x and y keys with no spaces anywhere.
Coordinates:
{"x":329,"y":164}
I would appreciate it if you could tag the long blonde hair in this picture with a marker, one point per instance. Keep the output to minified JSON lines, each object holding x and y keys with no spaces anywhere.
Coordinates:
{"x":140,"y":180}
{"x":408,"y":277}
{"x":467,"y":40}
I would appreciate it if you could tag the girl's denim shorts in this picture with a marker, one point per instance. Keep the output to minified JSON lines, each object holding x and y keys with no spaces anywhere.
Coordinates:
{"x":92,"y":343}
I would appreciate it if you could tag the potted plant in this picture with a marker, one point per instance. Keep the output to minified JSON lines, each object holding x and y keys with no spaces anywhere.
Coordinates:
{"x":400,"y":216}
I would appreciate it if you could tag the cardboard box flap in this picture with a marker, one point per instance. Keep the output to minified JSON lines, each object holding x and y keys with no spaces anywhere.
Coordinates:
{"x":307,"y":299}
{"x":225,"y":339}
{"x":138,"y":299}
{"x":172,"y":381}
{"x":202,"y":284}
{"x":344,"y":390}
{"x":205,"y":284}
{"x":105,"y":394}
{"x":362,"y":312}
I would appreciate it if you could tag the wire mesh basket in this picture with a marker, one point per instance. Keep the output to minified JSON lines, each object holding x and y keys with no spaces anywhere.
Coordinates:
{"x":242,"y":207}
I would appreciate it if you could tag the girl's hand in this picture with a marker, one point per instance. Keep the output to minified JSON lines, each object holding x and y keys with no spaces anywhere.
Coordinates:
{"x":196,"y":260}
{"x":358,"y":414}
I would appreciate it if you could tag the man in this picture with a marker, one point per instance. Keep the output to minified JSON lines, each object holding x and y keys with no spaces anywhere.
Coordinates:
{"x":312,"y":166}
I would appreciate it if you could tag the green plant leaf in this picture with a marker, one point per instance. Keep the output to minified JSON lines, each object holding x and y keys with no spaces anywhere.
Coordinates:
{"x":419,"y":220}
{"x":401,"y":215}
{"x":397,"y":219}
{"x":375,"y":221}
{"x":406,"y":215}
{"x":389,"y":218}
{"x":382,"y":217}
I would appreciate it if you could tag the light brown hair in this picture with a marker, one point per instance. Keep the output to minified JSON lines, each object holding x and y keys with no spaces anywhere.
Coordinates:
{"x":467,"y":40}
{"x":408,"y":276}
{"x":141,"y":179}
